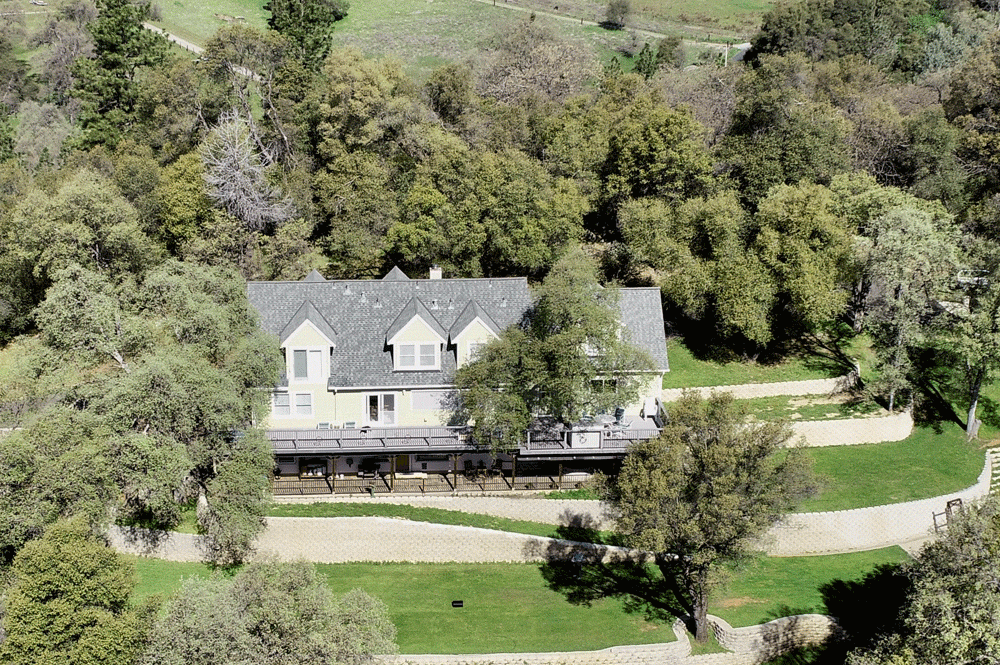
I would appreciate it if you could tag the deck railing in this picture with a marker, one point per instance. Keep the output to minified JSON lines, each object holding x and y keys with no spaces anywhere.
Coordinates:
{"x":369,"y":439}
{"x":446,"y":439}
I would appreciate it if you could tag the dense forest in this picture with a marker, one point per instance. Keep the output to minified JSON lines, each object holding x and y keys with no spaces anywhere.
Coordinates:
{"x":844,"y":177}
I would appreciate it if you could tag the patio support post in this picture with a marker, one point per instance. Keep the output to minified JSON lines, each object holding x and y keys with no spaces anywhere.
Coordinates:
{"x":513,"y":471}
{"x":454,"y":472}
{"x":392,"y":477}
{"x":560,"y":475}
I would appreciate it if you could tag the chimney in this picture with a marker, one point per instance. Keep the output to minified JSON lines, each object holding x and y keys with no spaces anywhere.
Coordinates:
{"x":435,"y":272}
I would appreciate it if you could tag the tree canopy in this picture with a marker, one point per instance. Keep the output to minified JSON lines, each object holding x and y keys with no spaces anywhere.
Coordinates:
{"x":567,"y":358}
{"x":70,"y":602}
{"x":269,"y":612}
{"x":705,"y":491}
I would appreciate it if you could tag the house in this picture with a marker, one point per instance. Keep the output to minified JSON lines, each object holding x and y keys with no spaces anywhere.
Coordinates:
{"x":368,"y":385}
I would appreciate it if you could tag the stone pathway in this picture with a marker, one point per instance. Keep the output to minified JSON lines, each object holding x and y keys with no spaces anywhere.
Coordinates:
{"x":362,"y":539}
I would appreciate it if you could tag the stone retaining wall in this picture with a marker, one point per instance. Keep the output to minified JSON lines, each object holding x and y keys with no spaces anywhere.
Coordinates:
{"x":852,"y":431}
{"x":751,"y":390}
{"x":752,"y":645}
{"x":865,"y":528}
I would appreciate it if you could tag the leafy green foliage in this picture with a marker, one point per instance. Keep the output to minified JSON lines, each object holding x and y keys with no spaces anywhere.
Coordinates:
{"x":950,"y":613}
{"x":566,"y":359}
{"x":308,"y":24}
{"x":69,"y":602}
{"x":54,"y":467}
{"x":106,"y":82}
{"x":701,"y":493}
{"x":181,"y":367}
{"x":269,"y":612}
{"x":834,"y":28}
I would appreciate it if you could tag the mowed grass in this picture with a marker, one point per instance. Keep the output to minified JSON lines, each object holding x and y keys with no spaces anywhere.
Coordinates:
{"x":507,"y":607}
{"x":810,"y":407}
{"x":197,"y":21}
{"x":777,"y":586}
{"x":510,"y":607}
{"x":927,"y":463}
{"x":688,"y":371}
{"x":416,"y":514}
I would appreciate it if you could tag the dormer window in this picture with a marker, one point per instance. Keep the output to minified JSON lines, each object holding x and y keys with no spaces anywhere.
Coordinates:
{"x":307,"y":365}
{"x":418,"y":356}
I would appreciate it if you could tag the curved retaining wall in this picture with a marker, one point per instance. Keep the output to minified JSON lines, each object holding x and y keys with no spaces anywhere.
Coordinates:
{"x":865,"y":528}
{"x":748,"y":646}
{"x":751,"y":390}
{"x":852,"y":431}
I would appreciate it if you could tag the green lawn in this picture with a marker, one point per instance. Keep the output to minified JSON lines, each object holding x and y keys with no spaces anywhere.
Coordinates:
{"x":774,"y":585}
{"x":925,"y":464}
{"x":809,"y":407}
{"x":511,"y":608}
{"x":433,"y":515}
{"x":688,"y":371}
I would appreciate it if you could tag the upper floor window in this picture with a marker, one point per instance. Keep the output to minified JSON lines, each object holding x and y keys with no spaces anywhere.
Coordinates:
{"x":418,"y":356}
{"x":307,"y":365}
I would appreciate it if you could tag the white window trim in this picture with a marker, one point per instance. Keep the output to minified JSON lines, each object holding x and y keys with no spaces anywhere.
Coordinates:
{"x":292,"y":413}
{"x":324,"y":366}
{"x":274,"y":405}
{"x":416,"y":367}
{"x":365,"y":420}
{"x":295,"y":405}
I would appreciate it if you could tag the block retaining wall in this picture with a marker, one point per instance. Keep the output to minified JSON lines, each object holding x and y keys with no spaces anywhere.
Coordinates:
{"x":751,"y":390}
{"x":853,"y":431}
{"x":752,"y":645}
{"x":865,"y":528}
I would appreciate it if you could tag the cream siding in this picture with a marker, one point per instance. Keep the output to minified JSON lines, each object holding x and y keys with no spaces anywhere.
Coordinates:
{"x":474,"y":332}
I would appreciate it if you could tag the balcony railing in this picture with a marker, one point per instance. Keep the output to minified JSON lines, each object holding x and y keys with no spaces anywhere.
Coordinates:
{"x":369,"y":439}
{"x":582,"y":440}
{"x":448,"y":439}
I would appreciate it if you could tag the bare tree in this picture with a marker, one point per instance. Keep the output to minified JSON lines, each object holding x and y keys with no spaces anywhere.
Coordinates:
{"x":237,"y":175}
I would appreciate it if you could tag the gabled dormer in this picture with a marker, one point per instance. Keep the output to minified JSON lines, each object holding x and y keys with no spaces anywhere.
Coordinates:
{"x":416,"y":339}
{"x":308,"y":341}
{"x":472,"y":330}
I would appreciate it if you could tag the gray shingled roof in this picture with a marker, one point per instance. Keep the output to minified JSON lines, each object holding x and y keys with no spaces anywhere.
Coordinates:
{"x":468,"y":315}
{"x":642,"y":317}
{"x":308,"y":312}
{"x":362,"y":311}
{"x":414,"y":308}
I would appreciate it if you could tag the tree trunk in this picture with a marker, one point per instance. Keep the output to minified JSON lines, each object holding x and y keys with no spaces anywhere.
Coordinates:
{"x":971,"y":429}
{"x":700,"y":598}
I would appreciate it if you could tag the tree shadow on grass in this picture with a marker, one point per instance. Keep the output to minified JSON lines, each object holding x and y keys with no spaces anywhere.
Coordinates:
{"x":822,"y":351}
{"x":585,"y":568}
{"x":867,"y":609}
{"x":940,"y":384}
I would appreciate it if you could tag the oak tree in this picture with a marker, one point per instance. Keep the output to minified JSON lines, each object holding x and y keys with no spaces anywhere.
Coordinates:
{"x":703,"y":492}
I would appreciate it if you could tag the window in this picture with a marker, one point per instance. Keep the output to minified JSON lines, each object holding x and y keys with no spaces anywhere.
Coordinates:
{"x":381,"y":409}
{"x":303,"y":404}
{"x":431,"y":400}
{"x":407,"y":355}
{"x":475,"y":348}
{"x":282,"y":405}
{"x":417,"y":356}
{"x":428,"y":355}
{"x":307,"y":365}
